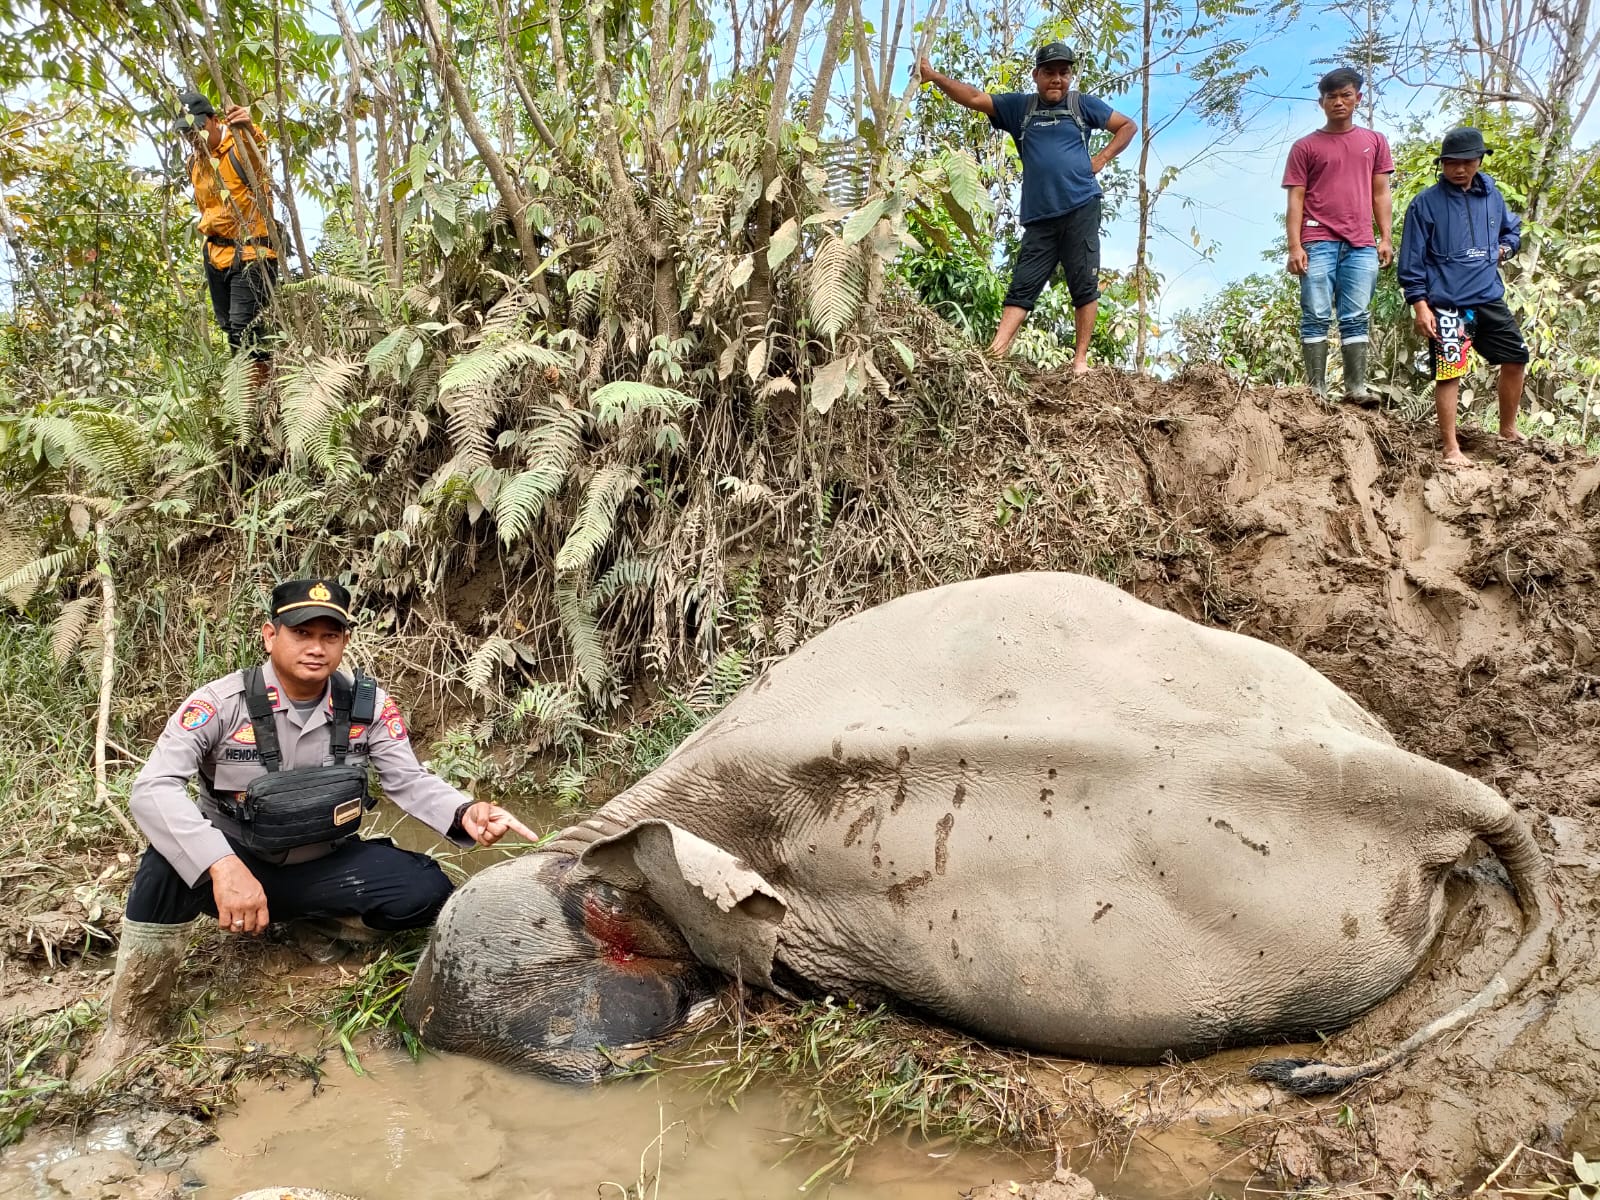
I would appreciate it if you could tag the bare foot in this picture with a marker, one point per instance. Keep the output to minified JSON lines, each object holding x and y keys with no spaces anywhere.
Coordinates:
{"x":1454,"y":459}
{"x":1080,"y":368}
{"x":1516,"y":435}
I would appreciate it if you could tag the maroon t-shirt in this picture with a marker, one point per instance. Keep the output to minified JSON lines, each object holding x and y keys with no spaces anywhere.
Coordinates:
{"x":1336,"y":170}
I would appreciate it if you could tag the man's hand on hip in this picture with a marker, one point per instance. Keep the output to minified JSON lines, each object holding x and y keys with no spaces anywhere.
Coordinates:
{"x":1299,"y":260}
{"x":487,"y":823}
{"x":241,"y":904}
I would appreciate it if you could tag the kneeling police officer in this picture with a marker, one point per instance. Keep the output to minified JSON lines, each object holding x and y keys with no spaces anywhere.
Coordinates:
{"x":280,"y":753}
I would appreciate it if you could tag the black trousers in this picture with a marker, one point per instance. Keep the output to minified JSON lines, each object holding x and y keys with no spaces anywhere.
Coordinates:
{"x":387,"y":887}
{"x":1070,"y":241}
{"x":239,"y":293}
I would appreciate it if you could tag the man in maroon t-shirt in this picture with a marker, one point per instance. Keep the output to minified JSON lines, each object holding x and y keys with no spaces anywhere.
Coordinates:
{"x":1338,"y":184}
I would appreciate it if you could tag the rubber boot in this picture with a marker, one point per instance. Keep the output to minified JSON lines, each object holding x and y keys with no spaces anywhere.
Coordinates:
{"x":1355,"y":374}
{"x":148,"y":961}
{"x":1315,"y":355}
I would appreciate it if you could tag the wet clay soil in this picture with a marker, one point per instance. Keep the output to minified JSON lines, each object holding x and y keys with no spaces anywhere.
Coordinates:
{"x":1460,"y":607}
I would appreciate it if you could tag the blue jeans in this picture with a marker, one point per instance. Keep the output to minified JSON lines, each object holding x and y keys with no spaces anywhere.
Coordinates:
{"x":1337,"y":269}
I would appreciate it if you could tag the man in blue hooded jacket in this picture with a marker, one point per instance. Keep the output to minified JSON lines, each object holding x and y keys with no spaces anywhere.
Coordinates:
{"x":1457,"y":233}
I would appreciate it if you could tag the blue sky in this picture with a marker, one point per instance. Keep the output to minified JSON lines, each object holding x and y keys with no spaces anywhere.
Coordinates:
{"x":1235,"y":194}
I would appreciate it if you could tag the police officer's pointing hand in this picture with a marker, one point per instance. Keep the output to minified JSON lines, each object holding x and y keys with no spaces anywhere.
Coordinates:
{"x":487,"y":823}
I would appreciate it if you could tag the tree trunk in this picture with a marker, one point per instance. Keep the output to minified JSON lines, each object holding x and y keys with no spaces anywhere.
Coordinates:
{"x":519,"y":79}
{"x":1141,"y":268}
{"x":445,"y":66}
{"x":108,"y":674}
{"x":352,"y":95}
{"x":47,"y":313}
{"x":286,"y":149}
{"x":761,"y":223}
{"x":817,"y":109}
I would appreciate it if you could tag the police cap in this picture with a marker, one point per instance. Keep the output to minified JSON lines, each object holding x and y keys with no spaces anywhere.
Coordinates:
{"x":296,"y":601}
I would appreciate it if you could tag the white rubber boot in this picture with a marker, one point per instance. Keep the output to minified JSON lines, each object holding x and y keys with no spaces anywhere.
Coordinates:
{"x":148,"y":961}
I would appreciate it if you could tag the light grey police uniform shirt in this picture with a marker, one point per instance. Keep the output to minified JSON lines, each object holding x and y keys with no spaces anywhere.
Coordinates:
{"x":211,"y":734}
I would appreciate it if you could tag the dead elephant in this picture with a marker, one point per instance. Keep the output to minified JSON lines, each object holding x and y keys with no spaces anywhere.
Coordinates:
{"x":1030,"y":806}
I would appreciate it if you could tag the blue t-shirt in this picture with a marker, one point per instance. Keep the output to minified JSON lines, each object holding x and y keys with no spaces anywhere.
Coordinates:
{"x":1056,"y":174}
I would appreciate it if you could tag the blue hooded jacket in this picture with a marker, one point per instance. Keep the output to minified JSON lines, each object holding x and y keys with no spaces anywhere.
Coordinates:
{"x":1449,"y":247}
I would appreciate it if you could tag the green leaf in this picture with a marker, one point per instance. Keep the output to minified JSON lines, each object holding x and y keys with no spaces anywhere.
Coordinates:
{"x":962,"y":219}
{"x":597,"y":516}
{"x":624,"y":399}
{"x":861,"y":222}
{"x":742,"y":271}
{"x":961,"y":172}
{"x":444,"y":232}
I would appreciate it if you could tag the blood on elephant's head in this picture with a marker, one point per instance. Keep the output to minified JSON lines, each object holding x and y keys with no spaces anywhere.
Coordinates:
{"x":574,"y":966}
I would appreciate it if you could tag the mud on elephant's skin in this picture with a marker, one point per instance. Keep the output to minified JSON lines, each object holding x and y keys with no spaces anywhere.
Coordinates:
{"x":1164,"y":837}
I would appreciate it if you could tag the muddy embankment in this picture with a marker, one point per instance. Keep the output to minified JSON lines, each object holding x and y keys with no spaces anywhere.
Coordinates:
{"x":1462,"y":608}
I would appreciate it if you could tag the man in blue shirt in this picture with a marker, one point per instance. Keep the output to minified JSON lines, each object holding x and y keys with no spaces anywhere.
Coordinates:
{"x":1456,"y":235}
{"x":1060,"y":195}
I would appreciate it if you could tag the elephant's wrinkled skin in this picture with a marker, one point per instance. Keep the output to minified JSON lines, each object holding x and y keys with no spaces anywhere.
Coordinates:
{"x":1031,"y":806}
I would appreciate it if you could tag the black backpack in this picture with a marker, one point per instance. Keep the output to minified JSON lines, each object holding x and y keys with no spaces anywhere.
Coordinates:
{"x":1071,"y":109}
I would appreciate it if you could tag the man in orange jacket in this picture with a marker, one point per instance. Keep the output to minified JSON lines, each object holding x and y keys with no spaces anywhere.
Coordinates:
{"x":232,"y":189}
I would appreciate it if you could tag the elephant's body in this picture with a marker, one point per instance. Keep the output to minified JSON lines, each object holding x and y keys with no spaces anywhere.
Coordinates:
{"x":1048,"y":814}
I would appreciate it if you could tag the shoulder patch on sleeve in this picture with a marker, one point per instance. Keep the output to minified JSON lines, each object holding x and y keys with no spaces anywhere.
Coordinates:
{"x":391,"y":719}
{"x":196,"y":713}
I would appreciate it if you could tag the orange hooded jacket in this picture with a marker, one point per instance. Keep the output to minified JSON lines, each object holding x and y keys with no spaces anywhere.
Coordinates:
{"x":220,"y":216}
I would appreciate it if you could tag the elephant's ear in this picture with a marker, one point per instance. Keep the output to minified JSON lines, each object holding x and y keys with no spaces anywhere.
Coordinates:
{"x":727,"y":912}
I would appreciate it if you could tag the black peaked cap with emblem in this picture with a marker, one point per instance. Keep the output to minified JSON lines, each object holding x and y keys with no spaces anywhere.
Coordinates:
{"x":296,"y":601}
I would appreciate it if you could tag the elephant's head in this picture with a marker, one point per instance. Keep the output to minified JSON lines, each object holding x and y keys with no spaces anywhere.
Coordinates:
{"x":562,"y":964}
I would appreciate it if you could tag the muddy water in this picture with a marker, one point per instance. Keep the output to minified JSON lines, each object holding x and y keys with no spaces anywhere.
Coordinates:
{"x":451,"y":1126}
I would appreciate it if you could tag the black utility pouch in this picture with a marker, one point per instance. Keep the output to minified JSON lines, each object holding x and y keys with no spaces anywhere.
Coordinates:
{"x":307,"y":806}
{"x":300,"y":808}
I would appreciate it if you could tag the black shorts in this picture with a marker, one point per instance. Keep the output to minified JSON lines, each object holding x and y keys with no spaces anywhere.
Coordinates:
{"x":239,"y":293}
{"x":1071,"y":241}
{"x":1490,"y":329}
{"x":387,"y":887}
